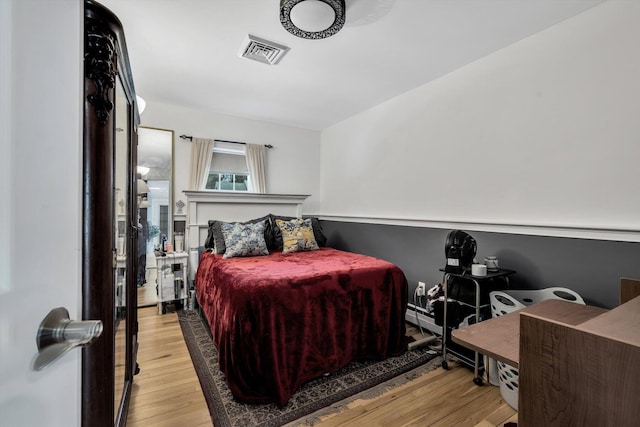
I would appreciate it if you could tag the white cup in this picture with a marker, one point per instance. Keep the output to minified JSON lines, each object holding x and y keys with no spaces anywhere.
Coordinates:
{"x":492,"y":263}
{"x":479,"y":269}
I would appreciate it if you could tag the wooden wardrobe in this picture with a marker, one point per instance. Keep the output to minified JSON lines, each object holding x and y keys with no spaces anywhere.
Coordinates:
{"x":110,"y":219}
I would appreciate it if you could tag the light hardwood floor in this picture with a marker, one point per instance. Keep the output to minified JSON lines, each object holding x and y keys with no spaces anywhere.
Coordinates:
{"x":166,"y":392}
{"x":148,"y":293}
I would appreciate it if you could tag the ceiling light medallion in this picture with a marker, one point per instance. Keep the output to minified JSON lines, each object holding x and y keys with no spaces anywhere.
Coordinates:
{"x":312,"y":19}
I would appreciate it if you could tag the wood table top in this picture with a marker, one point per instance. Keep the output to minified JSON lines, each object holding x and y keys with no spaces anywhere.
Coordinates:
{"x":621,"y":323}
{"x":499,"y":337}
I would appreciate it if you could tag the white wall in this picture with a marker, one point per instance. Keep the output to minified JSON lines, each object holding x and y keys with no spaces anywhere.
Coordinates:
{"x":293,"y":165}
{"x":545,"y":131}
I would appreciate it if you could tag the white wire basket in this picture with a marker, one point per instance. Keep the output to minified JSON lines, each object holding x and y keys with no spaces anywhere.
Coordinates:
{"x":503,"y":302}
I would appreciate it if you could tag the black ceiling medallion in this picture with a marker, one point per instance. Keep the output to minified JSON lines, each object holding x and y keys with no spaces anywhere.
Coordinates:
{"x":285,"y":18}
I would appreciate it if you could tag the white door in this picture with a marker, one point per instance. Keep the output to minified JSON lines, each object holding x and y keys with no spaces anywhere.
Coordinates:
{"x":40,"y":203}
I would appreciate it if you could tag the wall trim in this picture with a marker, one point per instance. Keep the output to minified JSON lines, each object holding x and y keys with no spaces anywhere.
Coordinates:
{"x":213,"y":196}
{"x":579,"y":232}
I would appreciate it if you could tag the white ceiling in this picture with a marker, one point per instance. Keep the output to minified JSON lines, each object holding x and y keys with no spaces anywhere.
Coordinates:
{"x":185,"y":52}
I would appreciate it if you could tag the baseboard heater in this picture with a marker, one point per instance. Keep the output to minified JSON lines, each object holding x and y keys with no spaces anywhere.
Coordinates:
{"x":426,"y":320}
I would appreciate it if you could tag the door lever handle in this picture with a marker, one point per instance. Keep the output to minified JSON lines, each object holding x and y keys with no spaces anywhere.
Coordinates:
{"x":58,"y":334}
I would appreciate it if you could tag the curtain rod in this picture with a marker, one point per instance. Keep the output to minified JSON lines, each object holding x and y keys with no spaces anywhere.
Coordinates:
{"x":190,"y":138}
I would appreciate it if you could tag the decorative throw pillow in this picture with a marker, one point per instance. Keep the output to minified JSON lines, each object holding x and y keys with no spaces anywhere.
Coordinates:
{"x":218,"y":237}
{"x":209,"y":243}
{"x":215,"y":237}
{"x":244,"y":239}
{"x":297,"y":235}
{"x":318,"y":234}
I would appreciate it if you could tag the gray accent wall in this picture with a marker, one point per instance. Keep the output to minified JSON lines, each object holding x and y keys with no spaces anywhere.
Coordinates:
{"x":592,"y":268}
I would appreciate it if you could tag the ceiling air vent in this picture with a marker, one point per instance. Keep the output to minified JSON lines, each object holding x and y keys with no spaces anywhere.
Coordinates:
{"x":262,"y":50}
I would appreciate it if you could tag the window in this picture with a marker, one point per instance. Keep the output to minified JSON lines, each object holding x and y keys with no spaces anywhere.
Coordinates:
{"x":228,"y":170}
{"x":228,"y":181}
{"x":164,"y":220}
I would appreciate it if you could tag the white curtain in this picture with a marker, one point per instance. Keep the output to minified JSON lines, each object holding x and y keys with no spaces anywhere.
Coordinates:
{"x":256,"y":164}
{"x":201,"y":152}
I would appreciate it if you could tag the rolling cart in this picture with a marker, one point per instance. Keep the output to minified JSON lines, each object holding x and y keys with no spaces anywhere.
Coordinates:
{"x":481,"y":288}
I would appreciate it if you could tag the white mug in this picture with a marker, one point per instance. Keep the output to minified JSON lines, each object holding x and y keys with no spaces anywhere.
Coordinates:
{"x":478,"y":269}
{"x":492,"y":263}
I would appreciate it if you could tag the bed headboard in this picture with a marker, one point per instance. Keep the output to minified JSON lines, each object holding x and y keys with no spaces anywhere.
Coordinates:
{"x":226,"y":206}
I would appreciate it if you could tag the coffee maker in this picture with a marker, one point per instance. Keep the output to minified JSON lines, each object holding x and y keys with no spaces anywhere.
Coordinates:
{"x":460,"y":249}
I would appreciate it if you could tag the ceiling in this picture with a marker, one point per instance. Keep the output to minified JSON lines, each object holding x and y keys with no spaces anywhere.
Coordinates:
{"x":185,"y":52}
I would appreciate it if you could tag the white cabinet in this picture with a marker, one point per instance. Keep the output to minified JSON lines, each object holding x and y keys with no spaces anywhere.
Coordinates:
{"x":121,"y":276}
{"x":172,"y":278}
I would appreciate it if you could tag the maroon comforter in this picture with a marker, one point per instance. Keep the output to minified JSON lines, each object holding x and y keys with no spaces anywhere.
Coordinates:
{"x":281,"y":320}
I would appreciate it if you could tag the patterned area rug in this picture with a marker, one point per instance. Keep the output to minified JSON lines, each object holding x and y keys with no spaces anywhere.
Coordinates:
{"x":331,"y":393}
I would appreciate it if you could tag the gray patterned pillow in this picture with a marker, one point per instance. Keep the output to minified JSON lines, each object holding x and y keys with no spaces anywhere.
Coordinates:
{"x":215,"y":238}
{"x":244,"y":239}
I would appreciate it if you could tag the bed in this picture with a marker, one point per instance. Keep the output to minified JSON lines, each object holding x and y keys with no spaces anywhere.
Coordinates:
{"x":281,"y":319}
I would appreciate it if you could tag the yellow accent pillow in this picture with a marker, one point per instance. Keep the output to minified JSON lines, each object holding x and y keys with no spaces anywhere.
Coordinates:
{"x":297,"y":235}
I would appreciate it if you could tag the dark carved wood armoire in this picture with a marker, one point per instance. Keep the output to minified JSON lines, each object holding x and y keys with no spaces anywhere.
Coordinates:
{"x":110,"y":226}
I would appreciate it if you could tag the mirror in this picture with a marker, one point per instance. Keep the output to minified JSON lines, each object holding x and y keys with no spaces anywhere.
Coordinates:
{"x":121,"y":178}
{"x":155,"y":169}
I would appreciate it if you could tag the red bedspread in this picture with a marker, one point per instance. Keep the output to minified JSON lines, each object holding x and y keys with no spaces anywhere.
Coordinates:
{"x":281,"y":320}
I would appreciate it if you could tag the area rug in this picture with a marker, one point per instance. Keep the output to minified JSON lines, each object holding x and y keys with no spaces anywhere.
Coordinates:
{"x":331,"y":393}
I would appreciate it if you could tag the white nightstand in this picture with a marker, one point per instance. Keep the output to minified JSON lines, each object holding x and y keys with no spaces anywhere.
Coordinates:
{"x":121,"y":279}
{"x":172,"y":278}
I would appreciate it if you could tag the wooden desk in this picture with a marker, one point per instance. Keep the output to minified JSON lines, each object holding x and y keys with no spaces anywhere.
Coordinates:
{"x":582,"y":375}
{"x":621,"y":324}
{"x":579,"y":365}
{"x":500,"y":337}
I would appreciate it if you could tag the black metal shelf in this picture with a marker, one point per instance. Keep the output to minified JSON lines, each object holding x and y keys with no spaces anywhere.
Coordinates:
{"x":477,"y":306}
